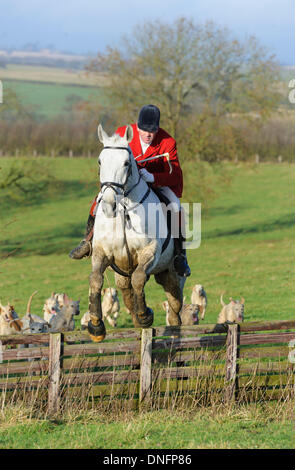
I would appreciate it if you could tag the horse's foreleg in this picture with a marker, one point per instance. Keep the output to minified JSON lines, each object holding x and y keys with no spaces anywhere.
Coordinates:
{"x":143,"y":316}
{"x":124,"y":284}
{"x":96,"y":326}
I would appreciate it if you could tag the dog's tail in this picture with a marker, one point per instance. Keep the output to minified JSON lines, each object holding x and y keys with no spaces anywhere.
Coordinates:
{"x":29,"y":303}
{"x":221,"y":300}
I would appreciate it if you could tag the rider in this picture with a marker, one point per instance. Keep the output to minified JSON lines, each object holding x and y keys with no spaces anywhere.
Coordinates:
{"x":150,"y":140}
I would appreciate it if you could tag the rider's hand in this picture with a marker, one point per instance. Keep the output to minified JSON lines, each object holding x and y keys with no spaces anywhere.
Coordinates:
{"x":146,"y":175}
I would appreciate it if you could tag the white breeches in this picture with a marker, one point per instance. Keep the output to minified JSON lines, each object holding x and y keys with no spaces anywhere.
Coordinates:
{"x":171,"y":196}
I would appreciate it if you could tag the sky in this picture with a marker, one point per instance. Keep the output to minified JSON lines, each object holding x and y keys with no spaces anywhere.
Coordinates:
{"x":89,"y":26}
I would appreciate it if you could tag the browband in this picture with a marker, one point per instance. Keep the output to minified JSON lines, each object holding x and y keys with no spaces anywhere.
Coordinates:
{"x":118,"y":148}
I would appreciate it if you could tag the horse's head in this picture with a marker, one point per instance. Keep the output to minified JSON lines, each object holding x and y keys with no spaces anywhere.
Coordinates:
{"x":116,"y":168}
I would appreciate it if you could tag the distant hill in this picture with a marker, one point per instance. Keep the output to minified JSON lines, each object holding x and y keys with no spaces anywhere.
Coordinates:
{"x":45,"y":57}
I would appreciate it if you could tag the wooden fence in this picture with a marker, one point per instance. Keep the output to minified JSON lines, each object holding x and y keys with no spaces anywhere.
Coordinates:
{"x":253,"y":360}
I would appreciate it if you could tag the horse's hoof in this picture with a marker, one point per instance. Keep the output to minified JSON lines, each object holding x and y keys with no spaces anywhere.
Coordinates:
{"x":96,"y":332}
{"x":146,"y":319}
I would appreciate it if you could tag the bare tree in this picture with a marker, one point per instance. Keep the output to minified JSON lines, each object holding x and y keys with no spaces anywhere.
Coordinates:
{"x":187,"y":69}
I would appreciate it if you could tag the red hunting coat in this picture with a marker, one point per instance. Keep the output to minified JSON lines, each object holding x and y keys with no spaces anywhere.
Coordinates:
{"x":162,"y":143}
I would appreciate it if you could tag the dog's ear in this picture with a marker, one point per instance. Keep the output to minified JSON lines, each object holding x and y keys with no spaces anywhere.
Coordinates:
{"x":103,"y":291}
{"x":66,"y":299}
{"x":17,"y":325}
{"x":52,"y":294}
{"x":242,"y":301}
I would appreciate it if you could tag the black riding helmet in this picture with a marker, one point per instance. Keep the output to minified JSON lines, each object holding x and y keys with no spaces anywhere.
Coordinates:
{"x":149,"y":118}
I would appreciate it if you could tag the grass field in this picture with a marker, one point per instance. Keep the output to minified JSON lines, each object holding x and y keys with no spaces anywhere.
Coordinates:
{"x":52,"y":99}
{"x":247,"y":250}
{"x":47,"y":90}
{"x":247,"y":246}
{"x":34,"y":73}
{"x":241,"y":428}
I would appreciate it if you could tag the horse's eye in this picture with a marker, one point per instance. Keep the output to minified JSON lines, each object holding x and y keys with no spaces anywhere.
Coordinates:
{"x":126,"y":164}
{"x":98,"y":161}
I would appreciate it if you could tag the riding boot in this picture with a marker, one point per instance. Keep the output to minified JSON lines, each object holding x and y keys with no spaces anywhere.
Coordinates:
{"x":84,"y":249}
{"x":180,"y":260}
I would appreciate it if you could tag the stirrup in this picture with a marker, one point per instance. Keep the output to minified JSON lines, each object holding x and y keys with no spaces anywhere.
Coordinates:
{"x":181,"y":265}
{"x":83,"y":250}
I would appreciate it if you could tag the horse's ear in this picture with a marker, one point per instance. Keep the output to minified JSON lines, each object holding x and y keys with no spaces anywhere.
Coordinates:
{"x":102,"y":135}
{"x":128,"y":133}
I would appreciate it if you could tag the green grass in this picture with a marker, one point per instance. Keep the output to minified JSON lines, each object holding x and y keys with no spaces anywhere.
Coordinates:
{"x":247,"y":246}
{"x":251,"y":427}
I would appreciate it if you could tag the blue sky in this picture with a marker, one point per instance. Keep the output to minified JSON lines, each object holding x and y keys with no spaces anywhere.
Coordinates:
{"x":83,"y":26}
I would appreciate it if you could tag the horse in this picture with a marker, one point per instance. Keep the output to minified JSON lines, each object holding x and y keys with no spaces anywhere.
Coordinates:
{"x":124,"y":241}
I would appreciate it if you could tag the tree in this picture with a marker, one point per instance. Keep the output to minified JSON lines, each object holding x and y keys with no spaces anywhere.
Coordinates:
{"x":187,"y":69}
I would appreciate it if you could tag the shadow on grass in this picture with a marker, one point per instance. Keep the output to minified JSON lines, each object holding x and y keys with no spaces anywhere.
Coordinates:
{"x":55,"y":241}
{"x":286,"y":221}
{"x":54,"y":190}
{"x":226,"y":211}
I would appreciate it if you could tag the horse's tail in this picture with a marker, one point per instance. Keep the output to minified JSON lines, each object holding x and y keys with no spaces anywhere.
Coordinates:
{"x":29,"y":303}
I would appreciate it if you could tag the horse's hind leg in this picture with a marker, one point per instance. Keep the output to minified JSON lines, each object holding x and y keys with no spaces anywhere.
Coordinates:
{"x":96,"y":326}
{"x":173,"y":287}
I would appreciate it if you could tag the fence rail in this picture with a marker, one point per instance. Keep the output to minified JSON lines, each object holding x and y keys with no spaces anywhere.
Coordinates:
{"x":237,"y":358}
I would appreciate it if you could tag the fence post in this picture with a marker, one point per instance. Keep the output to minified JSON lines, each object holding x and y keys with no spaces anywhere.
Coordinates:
{"x":257,"y":159}
{"x":231,"y":362}
{"x":54,"y":372}
{"x":146,"y":366}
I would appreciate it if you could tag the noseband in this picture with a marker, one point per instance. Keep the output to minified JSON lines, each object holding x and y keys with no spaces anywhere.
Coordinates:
{"x":113,"y":184}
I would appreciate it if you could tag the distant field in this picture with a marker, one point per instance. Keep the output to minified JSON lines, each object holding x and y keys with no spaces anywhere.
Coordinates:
{"x":49,"y":99}
{"x":49,"y":74}
{"x":49,"y":91}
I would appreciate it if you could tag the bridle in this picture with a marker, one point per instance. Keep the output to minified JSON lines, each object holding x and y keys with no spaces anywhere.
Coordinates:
{"x":112,"y":184}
